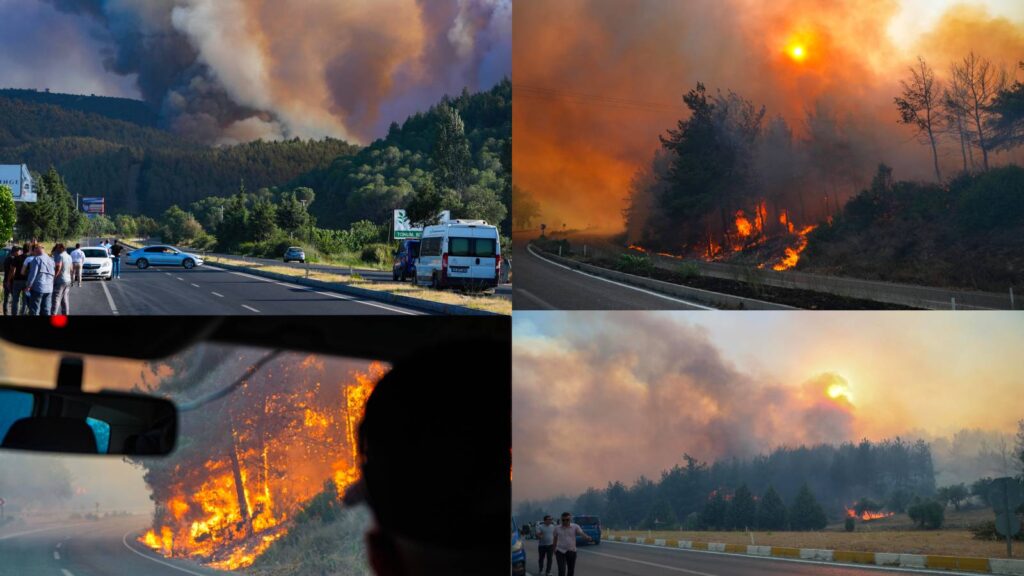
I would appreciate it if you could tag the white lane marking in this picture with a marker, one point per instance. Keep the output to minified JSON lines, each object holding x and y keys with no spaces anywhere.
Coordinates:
{"x":59,"y":544}
{"x":535,"y":298}
{"x":374,"y":304}
{"x":194,"y":284}
{"x":27,"y":532}
{"x":124,"y":539}
{"x":652,"y":564}
{"x":246,"y":306}
{"x":56,"y":555}
{"x":110,"y":299}
{"x":797,"y":560}
{"x":663,"y":296}
{"x":218,"y":294}
{"x":66,"y":572}
{"x":180,"y":278}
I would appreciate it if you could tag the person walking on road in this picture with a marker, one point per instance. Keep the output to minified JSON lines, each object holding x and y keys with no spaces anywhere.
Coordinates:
{"x":39,"y":285}
{"x":10,"y":271}
{"x":565,"y":544}
{"x":77,"y":260}
{"x":20,"y":304}
{"x":115,"y":257}
{"x":545,"y":533}
{"x":61,"y":281}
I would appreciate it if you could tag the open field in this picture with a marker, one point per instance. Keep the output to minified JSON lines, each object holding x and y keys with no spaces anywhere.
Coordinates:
{"x":895,"y":534}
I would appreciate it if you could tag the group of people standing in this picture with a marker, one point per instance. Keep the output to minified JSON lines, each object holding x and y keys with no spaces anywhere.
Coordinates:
{"x":559,"y":539}
{"x":37,"y":283}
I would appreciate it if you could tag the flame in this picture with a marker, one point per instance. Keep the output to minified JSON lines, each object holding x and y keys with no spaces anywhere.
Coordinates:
{"x":743,"y":226}
{"x":282,"y":455}
{"x":638,"y":248}
{"x":793,"y":252}
{"x":867,"y":515}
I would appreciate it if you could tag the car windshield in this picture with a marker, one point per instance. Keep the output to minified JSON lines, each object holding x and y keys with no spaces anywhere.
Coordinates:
{"x":95,"y":252}
{"x":585,"y":520}
{"x":245,"y":468}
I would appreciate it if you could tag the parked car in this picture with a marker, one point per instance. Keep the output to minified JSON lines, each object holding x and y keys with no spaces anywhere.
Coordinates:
{"x":97,"y":263}
{"x":591,"y":526}
{"x":162,"y":255}
{"x":295,"y":254}
{"x":461,"y":253}
{"x":518,"y":552}
{"x":405,"y":260}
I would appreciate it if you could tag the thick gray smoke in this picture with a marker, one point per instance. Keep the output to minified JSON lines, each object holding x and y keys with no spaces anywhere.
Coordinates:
{"x":233,"y":70}
{"x":613,"y":401}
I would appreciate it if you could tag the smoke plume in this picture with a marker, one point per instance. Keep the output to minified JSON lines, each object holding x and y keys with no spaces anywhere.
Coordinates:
{"x":234,"y":70}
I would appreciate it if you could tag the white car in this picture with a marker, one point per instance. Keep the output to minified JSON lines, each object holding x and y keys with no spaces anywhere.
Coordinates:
{"x":97,"y":263}
{"x":462,"y":253}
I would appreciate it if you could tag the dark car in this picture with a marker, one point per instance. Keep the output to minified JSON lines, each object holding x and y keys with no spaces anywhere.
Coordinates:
{"x":405,"y":260}
{"x":296,"y":254}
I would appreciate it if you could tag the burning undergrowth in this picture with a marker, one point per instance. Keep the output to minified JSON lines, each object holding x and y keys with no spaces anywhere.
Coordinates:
{"x":247,"y":464}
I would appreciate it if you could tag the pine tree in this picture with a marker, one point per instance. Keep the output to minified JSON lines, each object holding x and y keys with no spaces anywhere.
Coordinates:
{"x":660,"y":516}
{"x":807,"y":513}
{"x":8,"y":213}
{"x":452,"y":159}
{"x":742,"y":509}
{"x":715,"y":509}
{"x":771,"y":511}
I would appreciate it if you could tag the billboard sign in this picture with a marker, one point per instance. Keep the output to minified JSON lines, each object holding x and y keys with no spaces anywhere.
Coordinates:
{"x":403,"y":228}
{"x":19,"y":179}
{"x":93,"y":205}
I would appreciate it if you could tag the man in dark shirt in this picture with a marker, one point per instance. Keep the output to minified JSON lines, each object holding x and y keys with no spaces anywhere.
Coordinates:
{"x":20,"y":303}
{"x":9,"y":272}
{"x":115,"y":257}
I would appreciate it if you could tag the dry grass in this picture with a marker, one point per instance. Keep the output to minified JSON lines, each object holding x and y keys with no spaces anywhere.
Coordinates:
{"x":486,"y":303}
{"x":888,"y":535}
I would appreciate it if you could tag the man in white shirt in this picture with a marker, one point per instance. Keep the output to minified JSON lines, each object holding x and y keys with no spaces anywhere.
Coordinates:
{"x":545,"y":533}
{"x":77,"y":260}
{"x":565,"y":544}
{"x":61,"y":281}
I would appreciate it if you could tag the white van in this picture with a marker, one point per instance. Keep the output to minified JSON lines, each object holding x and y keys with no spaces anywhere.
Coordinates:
{"x":463,"y":253}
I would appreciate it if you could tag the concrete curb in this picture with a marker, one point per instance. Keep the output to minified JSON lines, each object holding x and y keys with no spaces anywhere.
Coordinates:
{"x":716,"y":299}
{"x":920,"y":561}
{"x":376,"y":295}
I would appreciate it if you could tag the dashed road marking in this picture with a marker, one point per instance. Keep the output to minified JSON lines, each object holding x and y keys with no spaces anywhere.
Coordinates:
{"x":110,"y":299}
{"x":194,"y":284}
{"x":247,"y":307}
{"x":218,"y":294}
{"x":66,"y":572}
{"x":56,"y":555}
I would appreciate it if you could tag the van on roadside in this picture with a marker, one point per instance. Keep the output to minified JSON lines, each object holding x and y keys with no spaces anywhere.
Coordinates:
{"x":460,"y":253}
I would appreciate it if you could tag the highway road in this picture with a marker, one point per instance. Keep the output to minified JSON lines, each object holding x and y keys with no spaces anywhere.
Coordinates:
{"x":89,"y":548}
{"x":209,"y":290}
{"x":617,"y":559}
{"x":544,"y":285}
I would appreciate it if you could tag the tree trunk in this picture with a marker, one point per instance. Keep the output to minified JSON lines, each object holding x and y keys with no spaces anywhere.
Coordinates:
{"x":935,"y":155}
{"x":236,"y":469}
{"x":981,"y":135}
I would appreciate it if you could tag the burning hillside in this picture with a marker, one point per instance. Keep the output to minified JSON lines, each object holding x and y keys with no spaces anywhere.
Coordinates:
{"x":246,"y":464}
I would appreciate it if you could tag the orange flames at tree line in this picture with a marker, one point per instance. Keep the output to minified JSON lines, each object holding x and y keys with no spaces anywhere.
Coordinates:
{"x":286,"y":443}
{"x":868,"y":515}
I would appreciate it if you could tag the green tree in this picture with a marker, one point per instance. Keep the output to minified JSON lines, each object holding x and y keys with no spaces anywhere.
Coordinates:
{"x":452,"y":158}
{"x":125,"y":225}
{"x":660,"y":516}
{"x":8,"y":213}
{"x":806,"y":513}
{"x":742,"y":509}
{"x":953,"y":494}
{"x":713,"y":517}
{"x":771,"y":511}
{"x":179,"y":226}
{"x":927,"y":514}
{"x":292,"y":215}
{"x":263,"y":221}
{"x":235,"y":227}
{"x":100,"y":225}
{"x":53,"y":216}
{"x":429,"y":201}
{"x":866,"y":505}
{"x":615,"y":508}
{"x":898,"y":500}
{"x":305,"y":195}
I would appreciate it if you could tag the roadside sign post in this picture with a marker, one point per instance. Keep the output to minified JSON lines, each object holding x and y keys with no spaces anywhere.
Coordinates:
{"x":1006,"y":496}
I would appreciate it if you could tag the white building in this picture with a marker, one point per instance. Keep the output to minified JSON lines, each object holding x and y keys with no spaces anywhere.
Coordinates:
{"x":19,"y":179}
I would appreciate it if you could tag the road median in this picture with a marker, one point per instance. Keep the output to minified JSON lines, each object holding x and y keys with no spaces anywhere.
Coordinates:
{"x":886,"y":559}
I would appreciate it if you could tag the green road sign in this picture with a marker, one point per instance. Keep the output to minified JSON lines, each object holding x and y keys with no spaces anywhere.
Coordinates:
{"x":1007,"y":524}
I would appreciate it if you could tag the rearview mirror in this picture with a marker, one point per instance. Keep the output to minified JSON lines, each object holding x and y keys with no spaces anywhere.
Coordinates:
{"x":69,"y":420}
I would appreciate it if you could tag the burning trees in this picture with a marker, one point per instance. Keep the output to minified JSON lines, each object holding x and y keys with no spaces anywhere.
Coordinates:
{"x":247,"y":463}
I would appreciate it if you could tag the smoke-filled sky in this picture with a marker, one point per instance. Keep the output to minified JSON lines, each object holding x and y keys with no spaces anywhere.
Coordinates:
{"x":611,"y":396}
{"x":236,"y":70}
{"x":592,"y":97}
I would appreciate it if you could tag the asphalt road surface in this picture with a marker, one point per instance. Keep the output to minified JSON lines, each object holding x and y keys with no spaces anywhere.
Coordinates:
{"x":209,"y":290}
{"x":544,"y":285}
{"x":613,"y":558}
{"x":83,"y":548}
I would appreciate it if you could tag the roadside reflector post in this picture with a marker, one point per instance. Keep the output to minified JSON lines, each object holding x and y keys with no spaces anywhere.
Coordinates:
{"x":559,"y":249}
{"x":306,"y":264}
{"x":953,"y":303}
{"x":1011,"y":299}
{"x":584,"y":250}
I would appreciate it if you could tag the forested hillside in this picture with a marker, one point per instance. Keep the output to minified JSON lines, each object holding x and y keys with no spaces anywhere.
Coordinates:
{"x":126,"y":109}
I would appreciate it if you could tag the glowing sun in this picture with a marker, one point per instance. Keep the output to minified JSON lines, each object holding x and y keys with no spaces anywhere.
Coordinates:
{"x":797,"y":52}
{"x":836,"y":391}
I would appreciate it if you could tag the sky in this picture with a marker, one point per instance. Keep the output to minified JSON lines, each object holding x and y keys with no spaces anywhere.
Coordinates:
{"x":236,"y":70}
{"x":590,"y":100}
{"x":611,"y":396}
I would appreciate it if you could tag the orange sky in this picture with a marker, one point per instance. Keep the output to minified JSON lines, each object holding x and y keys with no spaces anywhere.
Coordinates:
{"x":605,"y":396}
{"x":596,"y":81}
